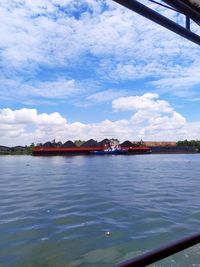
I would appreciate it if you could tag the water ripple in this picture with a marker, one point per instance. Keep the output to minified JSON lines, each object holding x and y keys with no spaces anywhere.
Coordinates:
{"x":56,"y":211}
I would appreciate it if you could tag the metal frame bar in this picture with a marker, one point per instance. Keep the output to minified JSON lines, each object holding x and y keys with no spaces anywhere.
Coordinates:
{"x":162,"y":252}
{"x":147,"y":12}
{"x":166,"y":6}
{"x":187,"y":23}
{"x":184,"y":8}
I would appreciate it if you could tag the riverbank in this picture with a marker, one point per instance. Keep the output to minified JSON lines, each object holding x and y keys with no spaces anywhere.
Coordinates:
{"x":17,"y":150}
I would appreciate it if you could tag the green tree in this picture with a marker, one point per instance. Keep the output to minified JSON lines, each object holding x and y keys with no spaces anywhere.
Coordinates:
{"x":79,"y":142}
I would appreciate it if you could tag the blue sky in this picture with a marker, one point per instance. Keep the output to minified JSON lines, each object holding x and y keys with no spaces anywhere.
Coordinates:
{"x":93,"y":69}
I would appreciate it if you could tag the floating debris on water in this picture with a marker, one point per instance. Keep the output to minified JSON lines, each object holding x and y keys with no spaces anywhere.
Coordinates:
{"x":44,"y":238}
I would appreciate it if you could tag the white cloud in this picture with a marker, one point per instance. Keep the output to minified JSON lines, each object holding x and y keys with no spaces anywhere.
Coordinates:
{"x":150,"y":121}
{"x":25,"y":125}
{"x":60,"y":89}
{"x":194,"y":130}
{"x":105,"y":96}
{"x":17,"y":117}
{"x":146,"y":102}
{"x":180,"y":79}
{"x":24,"y":116}
{"x":48,"y":32}
{"x":153,"y":118}
{"x":110,"y":42}
{"x":43,"y":32}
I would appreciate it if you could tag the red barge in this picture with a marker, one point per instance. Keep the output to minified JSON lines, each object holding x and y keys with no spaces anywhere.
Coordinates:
{"x":40,"y":151}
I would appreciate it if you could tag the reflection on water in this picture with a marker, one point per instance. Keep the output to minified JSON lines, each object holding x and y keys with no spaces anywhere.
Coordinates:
{"x":56,"y":211}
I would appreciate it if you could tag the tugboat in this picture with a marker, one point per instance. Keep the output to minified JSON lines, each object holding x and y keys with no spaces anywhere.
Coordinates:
{"x":111,"y":148}
{"x":110,"y":151}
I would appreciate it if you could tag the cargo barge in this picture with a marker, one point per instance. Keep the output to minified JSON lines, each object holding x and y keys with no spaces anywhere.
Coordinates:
{"x":40,"y":151}
{"x":139,"y":150}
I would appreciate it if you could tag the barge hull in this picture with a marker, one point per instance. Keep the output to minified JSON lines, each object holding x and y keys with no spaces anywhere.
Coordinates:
{"x":85,"y":151}
{"x":64,"y":151}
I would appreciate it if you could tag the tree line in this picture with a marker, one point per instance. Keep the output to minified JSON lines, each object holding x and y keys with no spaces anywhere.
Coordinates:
{"x":194,"y":143}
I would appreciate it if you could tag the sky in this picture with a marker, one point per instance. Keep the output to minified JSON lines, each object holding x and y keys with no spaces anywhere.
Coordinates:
{"x":86,"y":69}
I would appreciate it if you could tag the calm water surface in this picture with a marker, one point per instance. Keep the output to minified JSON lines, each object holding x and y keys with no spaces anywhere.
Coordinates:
{"x":55,"y":211}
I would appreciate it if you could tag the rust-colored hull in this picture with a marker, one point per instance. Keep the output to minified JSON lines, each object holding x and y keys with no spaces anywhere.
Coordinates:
{"x":83,"y":151}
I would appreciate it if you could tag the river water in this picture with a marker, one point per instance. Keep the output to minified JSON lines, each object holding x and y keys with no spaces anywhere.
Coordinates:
{"x":56,"y":211}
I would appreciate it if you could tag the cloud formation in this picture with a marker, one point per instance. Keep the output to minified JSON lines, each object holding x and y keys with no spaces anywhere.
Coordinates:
{"x":146,"y":102}
{"x":94,"y":38}
{"x":75,"y":54}
{"x":152,"y":119}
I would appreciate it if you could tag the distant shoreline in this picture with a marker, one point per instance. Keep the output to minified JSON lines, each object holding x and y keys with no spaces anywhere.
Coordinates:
{"x":156,"y":147}
{"x":17,"y":150}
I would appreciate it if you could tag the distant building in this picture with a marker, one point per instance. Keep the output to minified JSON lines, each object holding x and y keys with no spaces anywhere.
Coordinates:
{"x":4,"y":149}
{"x":157,"y":143}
